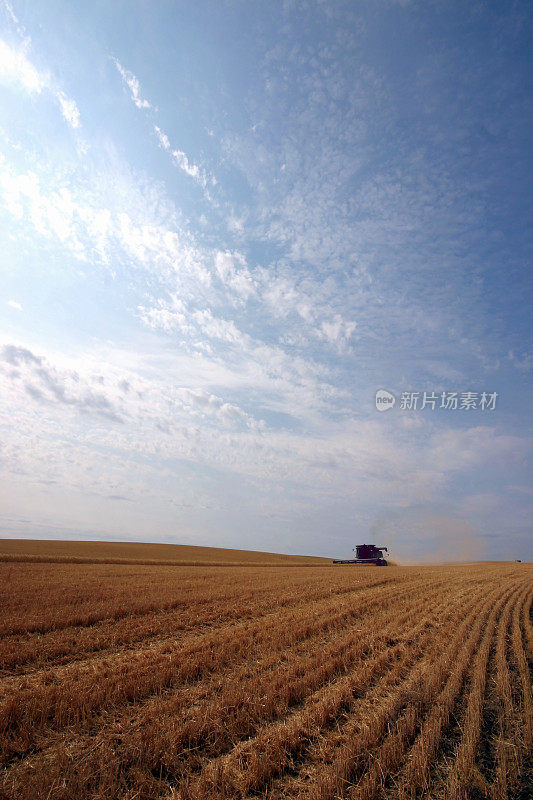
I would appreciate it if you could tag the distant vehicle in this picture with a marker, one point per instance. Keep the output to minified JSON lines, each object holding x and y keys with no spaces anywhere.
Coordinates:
{"x":366,"y":554}
{"x":518,"y":560}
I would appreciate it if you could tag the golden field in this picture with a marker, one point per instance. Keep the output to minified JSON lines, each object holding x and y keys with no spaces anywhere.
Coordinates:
{"x":124,"y":679}
{"x":140,"y":552}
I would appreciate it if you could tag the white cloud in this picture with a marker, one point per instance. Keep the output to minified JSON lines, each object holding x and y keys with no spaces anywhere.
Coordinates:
{"x":163,"y":138}
{"x":180,"y":159}
{"x":14,"y":304}
{"x":337,"y":331}
{"x":15,"y":67}
{"x":168,"y":424}
{"x":11,"y":13}
{"x":281,"y":295}
{"x":234,"y":274}
{"x":87,"y":228}
{"x":69,"y":109}
{"x":212,"y":404}
{"x":118,"y":396}
{"x":45,"y":384}
{"x":167,"y":317}
{"x":217,"y":328}
{"x":133,"y":85}
{"x":235,"y":224}
{"x":51,"y":213}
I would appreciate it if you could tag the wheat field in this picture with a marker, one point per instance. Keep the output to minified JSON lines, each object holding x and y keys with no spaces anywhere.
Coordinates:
{"x":261,"y":680}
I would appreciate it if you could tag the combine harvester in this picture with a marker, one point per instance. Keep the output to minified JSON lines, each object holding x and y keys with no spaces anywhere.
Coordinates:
{"x":366,"y":554}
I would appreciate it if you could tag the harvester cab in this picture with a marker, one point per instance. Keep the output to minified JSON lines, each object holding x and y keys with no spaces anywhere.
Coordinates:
{"x":366,"y":554}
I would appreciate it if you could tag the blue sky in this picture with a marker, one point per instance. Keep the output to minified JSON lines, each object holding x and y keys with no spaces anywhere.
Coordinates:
{"x":225,"y":226}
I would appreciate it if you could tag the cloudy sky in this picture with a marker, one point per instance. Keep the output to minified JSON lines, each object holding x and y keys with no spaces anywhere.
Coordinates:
{"x":225,"y":226}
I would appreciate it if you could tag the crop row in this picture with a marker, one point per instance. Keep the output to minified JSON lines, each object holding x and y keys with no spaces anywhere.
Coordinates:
{"x":73,"y":695}
{"x":211,"y":608}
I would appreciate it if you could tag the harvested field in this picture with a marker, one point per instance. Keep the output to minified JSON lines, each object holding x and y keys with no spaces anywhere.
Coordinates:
{"x":138,"y":681}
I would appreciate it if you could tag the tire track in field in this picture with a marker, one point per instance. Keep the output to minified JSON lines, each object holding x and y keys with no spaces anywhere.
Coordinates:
{"x":504,"y":745}
{"x":527,"y":628}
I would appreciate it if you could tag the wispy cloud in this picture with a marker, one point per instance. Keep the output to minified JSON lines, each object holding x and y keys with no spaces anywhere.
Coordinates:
{"x":69,"y":109}
{"x":234,"y":274}
{"x":46,"y":384}
{"x":51,"y":213}
{"x":16,"y":69}
{"x":338,"y":331}
{"x":180,"y":159}
{"x":9,"y":9}
{"x":133,"y":85}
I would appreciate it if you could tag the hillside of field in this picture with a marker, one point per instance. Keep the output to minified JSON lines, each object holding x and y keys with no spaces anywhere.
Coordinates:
{"x":146,"y":682}
{"x":141,"y":553}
